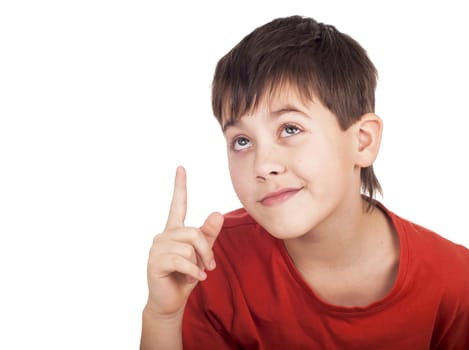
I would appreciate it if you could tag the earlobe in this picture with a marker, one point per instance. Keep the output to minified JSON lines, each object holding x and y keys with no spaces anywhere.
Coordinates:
{"x":370,"y":128}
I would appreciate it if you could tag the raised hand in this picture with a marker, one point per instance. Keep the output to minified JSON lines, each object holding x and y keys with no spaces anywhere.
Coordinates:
{"x":180,"y":255}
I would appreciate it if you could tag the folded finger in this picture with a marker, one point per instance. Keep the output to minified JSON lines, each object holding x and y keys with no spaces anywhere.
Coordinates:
{"x":172,"y":263}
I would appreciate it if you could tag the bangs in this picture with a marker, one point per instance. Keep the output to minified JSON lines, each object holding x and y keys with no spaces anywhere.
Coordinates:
{"x":314,"y":59}
{"x":297,"y":55}
{"x":240,"y":98}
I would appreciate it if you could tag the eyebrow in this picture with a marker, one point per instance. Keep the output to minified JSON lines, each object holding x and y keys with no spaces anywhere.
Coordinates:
{"x":229,"y":123}
{"x":287,"y":108}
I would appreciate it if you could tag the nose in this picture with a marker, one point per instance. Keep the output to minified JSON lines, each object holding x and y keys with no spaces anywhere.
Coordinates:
{"x":268,"y":163}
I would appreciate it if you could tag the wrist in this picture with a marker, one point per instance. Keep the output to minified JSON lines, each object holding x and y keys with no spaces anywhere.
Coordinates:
{"x":161,"y":331}
{"x":150,"y":311}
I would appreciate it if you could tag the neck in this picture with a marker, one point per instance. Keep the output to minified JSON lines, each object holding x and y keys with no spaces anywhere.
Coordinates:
{"x":343,"y":240}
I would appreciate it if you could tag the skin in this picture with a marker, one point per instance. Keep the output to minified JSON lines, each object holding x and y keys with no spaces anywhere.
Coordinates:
{"x":298,"y":174}
{"x":289,"y":145}
{"x":177,"y":260}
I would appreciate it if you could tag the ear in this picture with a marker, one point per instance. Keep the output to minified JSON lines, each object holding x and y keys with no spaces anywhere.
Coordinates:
{"x":369,"y":130}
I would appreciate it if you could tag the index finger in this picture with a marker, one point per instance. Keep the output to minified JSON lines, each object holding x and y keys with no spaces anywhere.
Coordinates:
{"x":178,"y":209}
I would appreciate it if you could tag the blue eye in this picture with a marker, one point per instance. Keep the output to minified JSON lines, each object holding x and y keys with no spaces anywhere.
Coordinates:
{"x":241,"y":143}
{"x":289,"y":130}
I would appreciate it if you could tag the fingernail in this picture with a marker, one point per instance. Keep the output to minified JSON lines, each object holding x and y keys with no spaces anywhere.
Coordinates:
{"x":202,"y":275}
{"x":212,"y":265}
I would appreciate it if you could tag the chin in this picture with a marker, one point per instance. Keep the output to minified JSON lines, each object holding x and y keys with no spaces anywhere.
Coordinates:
{"x":292,"y":219}
{"x":288,"y":227}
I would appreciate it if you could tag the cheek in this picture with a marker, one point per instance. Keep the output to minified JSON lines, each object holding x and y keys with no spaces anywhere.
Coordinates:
{"x":309,"y":162}
{"x":324,"y":166}
{"x":238,"y":177}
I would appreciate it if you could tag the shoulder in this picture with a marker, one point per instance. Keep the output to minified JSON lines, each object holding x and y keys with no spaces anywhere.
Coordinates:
{"x":242,"y":247}
{"x":426,"y":241}
{"x":239,"y":228}
{"x":431,"y":256}
{"x":236,"y":218}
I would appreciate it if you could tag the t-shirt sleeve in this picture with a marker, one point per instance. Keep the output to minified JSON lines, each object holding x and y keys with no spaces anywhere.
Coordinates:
{"x":457,"y":336}
{"x":208,"y":314}
{"x":202,"y":329}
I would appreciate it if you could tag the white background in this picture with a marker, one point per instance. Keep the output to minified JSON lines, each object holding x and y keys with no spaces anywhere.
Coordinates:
{"x":101,"y":100}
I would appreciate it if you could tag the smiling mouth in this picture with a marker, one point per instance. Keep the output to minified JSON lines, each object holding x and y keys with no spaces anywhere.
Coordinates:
{"x":279,"y":197}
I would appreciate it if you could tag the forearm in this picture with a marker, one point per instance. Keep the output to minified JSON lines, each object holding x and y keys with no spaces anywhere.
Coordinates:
{"x":160,"y":333}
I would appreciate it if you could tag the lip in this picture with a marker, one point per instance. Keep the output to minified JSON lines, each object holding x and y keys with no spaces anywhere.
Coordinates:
{"x":278,"y":197}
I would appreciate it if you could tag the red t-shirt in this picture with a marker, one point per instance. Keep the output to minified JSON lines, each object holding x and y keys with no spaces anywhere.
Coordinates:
{"x":257,"y":299}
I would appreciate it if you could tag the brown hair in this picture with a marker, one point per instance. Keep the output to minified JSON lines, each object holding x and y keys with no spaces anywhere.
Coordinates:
{"x":315,"y":58}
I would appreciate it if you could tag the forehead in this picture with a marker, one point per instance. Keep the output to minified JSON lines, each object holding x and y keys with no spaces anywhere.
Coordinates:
{"x":273,"y":99}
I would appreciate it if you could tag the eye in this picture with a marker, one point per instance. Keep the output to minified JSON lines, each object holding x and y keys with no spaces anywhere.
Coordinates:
{"x":241,"y":143}
{"x":289,"y":130}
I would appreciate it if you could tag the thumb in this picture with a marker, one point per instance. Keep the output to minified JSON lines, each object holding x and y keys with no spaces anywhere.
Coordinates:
{"x":212,"y":226}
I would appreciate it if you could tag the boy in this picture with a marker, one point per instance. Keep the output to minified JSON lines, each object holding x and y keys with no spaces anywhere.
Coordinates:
{"x":311,"y":261}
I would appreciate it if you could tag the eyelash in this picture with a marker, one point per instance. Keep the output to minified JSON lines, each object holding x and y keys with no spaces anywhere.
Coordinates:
{"x":296,"y":130}
{"x":291,"y":126}
{"x":235,"y":141}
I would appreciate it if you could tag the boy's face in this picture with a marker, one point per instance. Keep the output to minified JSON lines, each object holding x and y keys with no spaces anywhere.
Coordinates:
{"x":291,"y":165}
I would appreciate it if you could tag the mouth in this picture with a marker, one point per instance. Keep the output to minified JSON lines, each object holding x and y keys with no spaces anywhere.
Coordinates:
{"x":278,"y":197}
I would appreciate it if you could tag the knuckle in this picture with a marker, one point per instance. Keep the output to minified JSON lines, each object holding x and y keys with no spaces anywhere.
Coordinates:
{"x":178,"y":263}
{"x":158,"y":244}
{"x":158,"y":238}
{"x":187,"y":251}
{"x":192,"y":234}
{"x":203,"y":245}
